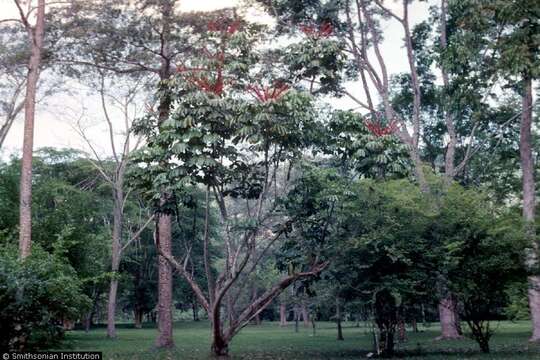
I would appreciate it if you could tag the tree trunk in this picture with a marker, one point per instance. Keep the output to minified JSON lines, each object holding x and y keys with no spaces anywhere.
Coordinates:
{"x":338,"y":320}
{"x":386,"y":343}
{"x":296,"y":318}
{"x":164,"y":339}
{"x":25,"y":196}
{"x":230,"y":308}
{"x":527,"y":168}
{"x":257,"y":318}
{"x":138,"y":317}
{"x":449,"y":320}
{"x":414,"y":325}
{"x":115,"y":263}
{"x":87,"y":322}
{"x":111,"y":308}
{"x":195,"y":308}
{"x":282,"y":314}
{"x":220,"y":345}
{"x":451,"y":329}
{"x":305,"y":315}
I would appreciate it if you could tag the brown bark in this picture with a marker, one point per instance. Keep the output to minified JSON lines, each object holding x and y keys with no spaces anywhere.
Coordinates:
{"x":529,"y":199}
{"x":138,"y":318}
{"x":305,"y":315}
{"x":25,"y":207}
{"x":87,"y":322}
{"x":195,"y":308}
{"x":296,"y":318}
{"x":116,"y":254}
{"x":254,"y":297}
{"x":448,"y":319}
{"x":282,"y":314}
{"x":414,"y":325}
{"x":220,"y":344}
{"x":111,"y":307}
{"x":338,"y":320}
{"x":164,"y":339}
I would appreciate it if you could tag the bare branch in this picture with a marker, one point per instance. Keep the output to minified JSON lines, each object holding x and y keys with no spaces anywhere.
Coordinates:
{"x":107,"y":118}
{"x":388,"y":11}
{"x":138,"y":233}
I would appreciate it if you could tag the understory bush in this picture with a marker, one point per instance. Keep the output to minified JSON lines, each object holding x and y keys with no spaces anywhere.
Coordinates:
{"x":37,"y":296}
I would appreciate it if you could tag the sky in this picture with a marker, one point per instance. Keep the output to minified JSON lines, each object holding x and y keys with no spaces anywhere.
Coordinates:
{"x":56,"y":117}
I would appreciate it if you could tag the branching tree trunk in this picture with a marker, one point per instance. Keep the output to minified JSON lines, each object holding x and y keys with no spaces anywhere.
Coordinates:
{"x":221,"y":336}
{"x":114,"y":175}
{"x":366,"y":23}
{"x":14,"y":106}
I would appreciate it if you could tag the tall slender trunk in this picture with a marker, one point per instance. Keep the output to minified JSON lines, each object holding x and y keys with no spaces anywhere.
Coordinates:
{"x":111,"y":307}
{"x":338,"y":320}
{"x":138,"y":316}
{"x":305,"y":315}
{"x":447,"y":310}
{"x":165,"y":331}
{"x":529,"y":197}
{"x":87,"y":322}
{"x":25,"y":201}
{"x":195,"y":308}
{"x":164,"y":339}
{"x":115,"y":263}
{"x":296,"y":318}
{"x":282,"y":314}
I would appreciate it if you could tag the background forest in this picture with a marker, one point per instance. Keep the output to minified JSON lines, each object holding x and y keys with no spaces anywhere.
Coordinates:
{"x":236,"y":188}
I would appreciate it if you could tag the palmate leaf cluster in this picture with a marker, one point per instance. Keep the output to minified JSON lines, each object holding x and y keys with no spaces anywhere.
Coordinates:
{"x":349,"y":146}
{"x":221,"y":141}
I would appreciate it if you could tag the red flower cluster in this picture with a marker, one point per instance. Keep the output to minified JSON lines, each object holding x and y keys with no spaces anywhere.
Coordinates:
{"x":210,"y":86}
{"x":378,"y":129}
{"x":225,"y":26}
{"x":323,"y":31}
{"x":203,"y":82}
{"x":270,"y":93}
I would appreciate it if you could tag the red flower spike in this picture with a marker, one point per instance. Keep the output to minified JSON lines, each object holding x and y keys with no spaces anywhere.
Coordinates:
{"x":326,"y":29}
{"x":233,"y":27}
{"x":309,"y":30}
{"x":379,"y":130}
{"x":224,"y":26}
{"x":266,"y":94}
{"x":323,"y":31}
{"x":213,"y":25}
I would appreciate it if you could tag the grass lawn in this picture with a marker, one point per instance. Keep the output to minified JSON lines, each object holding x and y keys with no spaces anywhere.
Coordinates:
{"x":269,"y":341}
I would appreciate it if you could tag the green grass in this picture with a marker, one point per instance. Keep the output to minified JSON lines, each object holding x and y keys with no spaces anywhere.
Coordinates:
{"x":269,"y":341}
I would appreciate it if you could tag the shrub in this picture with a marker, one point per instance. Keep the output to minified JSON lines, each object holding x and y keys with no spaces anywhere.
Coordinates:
{"x":36,"y":295}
